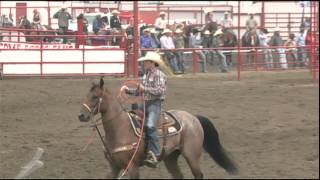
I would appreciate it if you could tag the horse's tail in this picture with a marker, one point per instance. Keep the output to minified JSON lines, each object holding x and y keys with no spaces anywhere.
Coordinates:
{"x":212,"y":145}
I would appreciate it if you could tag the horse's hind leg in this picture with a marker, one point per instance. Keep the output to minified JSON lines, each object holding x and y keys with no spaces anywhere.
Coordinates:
{"x":192,"y":154}
{"x":171,"y":163}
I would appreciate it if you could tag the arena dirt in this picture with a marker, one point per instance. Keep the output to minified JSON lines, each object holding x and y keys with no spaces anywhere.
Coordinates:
{"x":268,"y":122}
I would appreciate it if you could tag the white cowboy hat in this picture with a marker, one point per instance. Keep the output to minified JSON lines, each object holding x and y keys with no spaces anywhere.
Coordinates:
{"x":226,"y":12}
{"x":162,"y":13}
{"x":207,"y":32}
{"x":151,"y":56}
{"x":277,"y":29}
{"x":153,"y":31}
{"x":146,"y":29}
{"x":115,"y":12}
{"x":166,"y":31}
{"x":178,"y":30}
{"x":219,"y":31}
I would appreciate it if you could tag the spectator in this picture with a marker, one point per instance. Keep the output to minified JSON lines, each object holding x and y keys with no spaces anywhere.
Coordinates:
{"x":97,"y":24}
{"x":167,"y":43}
{"x":211,"y":23}
{"x":277,"y":42}
{"x":301,"y":43}
{"x":85,"y":23}
{"x":178,"y":40}
{"x":36,"y":20}
{"x":161,"y":23}
{"x":264,"y":40}
{"x":155,"y":40}
{"x":63,"y":21}
{"x":196,"y":42}
{"x":206,"y":43}
{"x":226,"y":22}
{"x":145,"y":40}
{"x":216,"y":43}
{"x":292,"y":48}
{"x":5,"y":21}
{"x":115,"y":21}
{"x":251,"y":23}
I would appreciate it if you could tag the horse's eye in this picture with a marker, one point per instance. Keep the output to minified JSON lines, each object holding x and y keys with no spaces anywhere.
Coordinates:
{"x":94,"y":97}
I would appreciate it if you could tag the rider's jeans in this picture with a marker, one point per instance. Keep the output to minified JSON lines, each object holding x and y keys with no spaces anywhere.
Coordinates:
{"x":153,"y":112}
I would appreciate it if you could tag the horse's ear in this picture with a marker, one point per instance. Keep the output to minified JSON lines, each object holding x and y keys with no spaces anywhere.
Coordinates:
{"x":101,"y":82}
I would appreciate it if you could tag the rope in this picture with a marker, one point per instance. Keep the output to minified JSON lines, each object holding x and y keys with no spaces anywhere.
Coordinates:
{"x":137,"y":146}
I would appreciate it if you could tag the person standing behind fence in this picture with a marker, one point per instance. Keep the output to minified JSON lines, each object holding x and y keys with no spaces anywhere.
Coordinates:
{"x":160,"y":24}
{"x":37,"y":19}
{"x":63,"y":21}
{"x":206,"y":43}
{"x":292,"y":48}
{"x":178,"y":40}
{"x":167,"y":43}
{"x":155,"y":41}
{"x":301,"y":43}
{"x":264,"y":40}
{"x":196,"y":42}
{"x":97,"y":24}
{"x":216,"y":43}
{"x":115,"y":23}
{"x":251,"y":23}
{"x":277,"y":42}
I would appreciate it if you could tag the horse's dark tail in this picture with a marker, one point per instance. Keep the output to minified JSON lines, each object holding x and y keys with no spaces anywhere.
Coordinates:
{"x":212,"y":145}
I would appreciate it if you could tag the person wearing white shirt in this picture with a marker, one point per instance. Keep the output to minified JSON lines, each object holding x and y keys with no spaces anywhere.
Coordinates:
{"x":264,"y":40}
{"x":160,"y":24}
{"x":166,"y":42}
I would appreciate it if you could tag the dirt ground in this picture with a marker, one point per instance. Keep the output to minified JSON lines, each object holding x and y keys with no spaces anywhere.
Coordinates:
{"x":268,"y":122}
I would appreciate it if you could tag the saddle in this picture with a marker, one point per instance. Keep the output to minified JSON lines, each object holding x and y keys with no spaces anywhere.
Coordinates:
{"x":167,"y":125}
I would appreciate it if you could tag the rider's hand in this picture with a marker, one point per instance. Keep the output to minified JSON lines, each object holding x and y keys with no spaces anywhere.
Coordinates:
{"x":141,"y":88}
{"x":124,"y":88}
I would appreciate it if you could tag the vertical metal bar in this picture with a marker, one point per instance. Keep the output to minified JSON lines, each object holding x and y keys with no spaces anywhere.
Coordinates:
{"x":239,"y":41}
{"x":49,"y":16}
{"x":136,"y":38}
{"x":41,"y":59}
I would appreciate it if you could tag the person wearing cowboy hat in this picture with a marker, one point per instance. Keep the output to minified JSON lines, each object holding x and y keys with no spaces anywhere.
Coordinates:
{"x":166,"y":42}
{"x":155,"y":41}
{"x":178,"y":41}
{"x":277,"y":43}
{"x":153,"y":86}
{"x":217,"y":43}
{"x":267,"y":53}
{"x":292,"y":48}
{"x":195,"y":41}
{"x":63,"y":21}
{"x":160,"y":24}
{"x":251,"y":23}
{"x":206,"y":43}
{"x":115,"y":21}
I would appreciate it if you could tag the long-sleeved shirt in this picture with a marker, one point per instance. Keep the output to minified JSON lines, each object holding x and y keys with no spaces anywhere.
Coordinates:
{"x":146,"y":42}
{"x":178,"y":41}
{"x":115,"y":22}
{"x":155,"y":85}
{"x":301,"y":40}
{"x":160,"y":23}
{"x":227,"y":23}
{"x":251,"y":23}
{"x":167,"y":42}
{"x":63,"y":18}
{"x":264,"y":40}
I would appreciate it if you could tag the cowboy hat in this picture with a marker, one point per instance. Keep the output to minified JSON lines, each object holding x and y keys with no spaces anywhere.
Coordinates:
{"x":178,"y":30}
{"x":151,"y":56}
{"x":115,"y":12}
{"x":146,"y":30}
{"x":162,"y":13}
{"x":219,"y":31}
{"x":207,"y":32}
{"x":226,"y":12}
{"x":153,"y":31}
{"x":166,"y":31}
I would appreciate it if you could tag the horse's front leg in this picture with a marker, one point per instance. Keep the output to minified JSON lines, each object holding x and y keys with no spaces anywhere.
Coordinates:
{"x":134,"y":172}
{"x":115,"y":171}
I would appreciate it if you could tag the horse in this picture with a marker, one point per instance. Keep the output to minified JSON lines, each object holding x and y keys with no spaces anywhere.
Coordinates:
{"x":24,"y":23}
{"x":229,"y":40}
{"x":197,"y":132}
{"x":251,"y":39}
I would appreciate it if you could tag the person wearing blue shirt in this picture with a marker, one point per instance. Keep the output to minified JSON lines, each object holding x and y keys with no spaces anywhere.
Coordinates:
{"x":97,"y":24}
{"x":301,"y":43}
{"x":145,"y":39}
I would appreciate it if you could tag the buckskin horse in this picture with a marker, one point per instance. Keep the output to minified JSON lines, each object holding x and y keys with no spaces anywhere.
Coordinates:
{"x":196,"y":132}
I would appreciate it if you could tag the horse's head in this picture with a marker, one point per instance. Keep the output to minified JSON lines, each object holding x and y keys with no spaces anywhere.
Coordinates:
{"x":94,"y":102}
